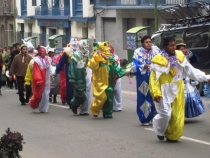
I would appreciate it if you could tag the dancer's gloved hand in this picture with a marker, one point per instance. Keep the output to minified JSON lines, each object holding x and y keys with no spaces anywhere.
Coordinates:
{"x":157,"y":99}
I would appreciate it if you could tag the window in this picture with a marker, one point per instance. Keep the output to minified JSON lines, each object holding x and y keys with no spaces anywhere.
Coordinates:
{"x":25,"y":2}
{"x":156,"y":39}
{"x":197,"y":37}
{"x":92,"y":1}
{"x":33,"y":2}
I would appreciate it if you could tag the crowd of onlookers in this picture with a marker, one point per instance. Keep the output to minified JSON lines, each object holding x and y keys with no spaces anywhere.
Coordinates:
{"x":7,"y":55}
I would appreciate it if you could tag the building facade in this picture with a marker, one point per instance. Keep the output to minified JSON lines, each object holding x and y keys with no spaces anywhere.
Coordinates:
{"x":115,"y":17}
{"x":7,"y":31}
{"x":45,"y":18}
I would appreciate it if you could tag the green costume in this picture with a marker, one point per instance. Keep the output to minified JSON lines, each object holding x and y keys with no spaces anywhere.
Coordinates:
{"x":77,"y":74}
{"x":113,"y":69}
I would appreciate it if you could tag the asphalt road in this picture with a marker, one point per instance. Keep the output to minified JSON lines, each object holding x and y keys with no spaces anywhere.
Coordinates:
{"x":61,"y":134}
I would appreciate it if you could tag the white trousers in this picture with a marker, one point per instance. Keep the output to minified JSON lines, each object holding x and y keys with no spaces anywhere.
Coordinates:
{"x":161,"y":120}
{"x":117,"y":102}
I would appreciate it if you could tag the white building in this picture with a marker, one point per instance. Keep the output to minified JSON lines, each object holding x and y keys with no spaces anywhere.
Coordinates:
{"x":45,"y":18}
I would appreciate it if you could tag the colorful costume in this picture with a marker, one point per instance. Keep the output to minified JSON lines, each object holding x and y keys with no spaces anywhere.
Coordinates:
{"x":145,"y":107}
{"x":62,"y":80}
{"x":193,"y":102}
{"x":166,"y":81}
{"x":40,"y":82}
{"x":64,"y":63}
{"x":103,"y":68}
{"x":80,"y":76}
{"x":55,"y":78}
{"x":117,"y":103}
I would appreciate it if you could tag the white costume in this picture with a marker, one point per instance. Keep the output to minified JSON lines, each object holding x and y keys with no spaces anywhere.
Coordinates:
{"x":166,"y":81}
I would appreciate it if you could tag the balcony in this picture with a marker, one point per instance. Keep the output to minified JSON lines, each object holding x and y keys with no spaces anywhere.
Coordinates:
{"x":52,"y":13}
{"x":6,"y":11}
{"x":138,"y":3}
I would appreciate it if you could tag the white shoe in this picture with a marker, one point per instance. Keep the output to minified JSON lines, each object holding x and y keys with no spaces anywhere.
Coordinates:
{"x":34,"y":110}
{"x":145,"y":124}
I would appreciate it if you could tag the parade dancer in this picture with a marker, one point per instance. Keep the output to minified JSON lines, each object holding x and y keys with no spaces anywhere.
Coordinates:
{"x":80,"y":78}
{"x":140,"y":67}
{"x":193,"y":102}
{"x":117,"y":103}
{"x":55,"y":78}
{"x":62,"y":80}
{"x":41,"y":81}
{"x":64,"y":61}
{"x":167,"y":89}
{"x":103,"y":68}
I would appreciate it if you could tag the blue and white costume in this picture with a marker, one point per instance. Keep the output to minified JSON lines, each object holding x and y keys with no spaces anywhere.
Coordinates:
{"x":145,"y":106}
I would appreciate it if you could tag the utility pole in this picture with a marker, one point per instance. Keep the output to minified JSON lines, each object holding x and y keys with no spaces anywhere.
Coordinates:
{"x":14,"y":15}
{"x":156,"y":15}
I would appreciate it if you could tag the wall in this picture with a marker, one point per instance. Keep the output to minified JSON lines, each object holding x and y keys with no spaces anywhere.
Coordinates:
{"x":79,"y":29}
{"x":88,"y":9}
{"x":18,"y":7}
{"x":121,"y":26}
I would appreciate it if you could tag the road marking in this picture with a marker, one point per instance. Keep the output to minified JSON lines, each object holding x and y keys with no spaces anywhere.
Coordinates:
{"x":187,"y":138}
{"x":128,"y":92}
{"x":60,"y":106}
{"x":11,"y":90}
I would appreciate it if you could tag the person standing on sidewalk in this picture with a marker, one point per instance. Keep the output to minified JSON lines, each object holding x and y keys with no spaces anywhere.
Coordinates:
{"x":1,"y":65}
{"x":18,"y":68}
{"x":15,"y":51}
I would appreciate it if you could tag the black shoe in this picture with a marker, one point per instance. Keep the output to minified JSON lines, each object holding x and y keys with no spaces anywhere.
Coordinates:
{"x":54,"y":99}
{"x":17,"y":93}
{"x":171,"y":141}
{"x":50,"y":100}
{"x":27,"y":100}
{"x":84,"y":114}
{"x":160,"y":137}
{"x":23,"y":103}
{"x":74,"y":110}
{"x":95,"y":115}
{"x":63,"y":102}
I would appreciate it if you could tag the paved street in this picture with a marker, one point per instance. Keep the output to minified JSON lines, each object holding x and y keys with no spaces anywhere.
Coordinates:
{"x":60,"y":134}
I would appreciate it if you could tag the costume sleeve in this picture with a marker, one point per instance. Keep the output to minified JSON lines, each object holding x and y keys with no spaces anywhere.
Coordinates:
{"x":93,"y":63}
{"x":154,"y":85}
{"x":194,"y":73}
{"x":37,"y":76}
{"x":72,"y":71}
{"x":137,"y":63}
{"x":118,"y":70}
{"x":62,"y":62}
{"x":28,"y":76}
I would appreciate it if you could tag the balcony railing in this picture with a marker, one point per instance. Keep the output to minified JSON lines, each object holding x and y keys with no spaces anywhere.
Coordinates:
{"x":52,"y":11}
{"x":141,"y":2}
{"x":5,"y":10}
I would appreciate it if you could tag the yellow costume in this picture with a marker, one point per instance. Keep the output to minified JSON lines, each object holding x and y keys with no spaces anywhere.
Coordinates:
{"x":103,"y":68}
{"x":167,"y":82}
{"x":100,"y":84}
{"x":28,"y":76}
